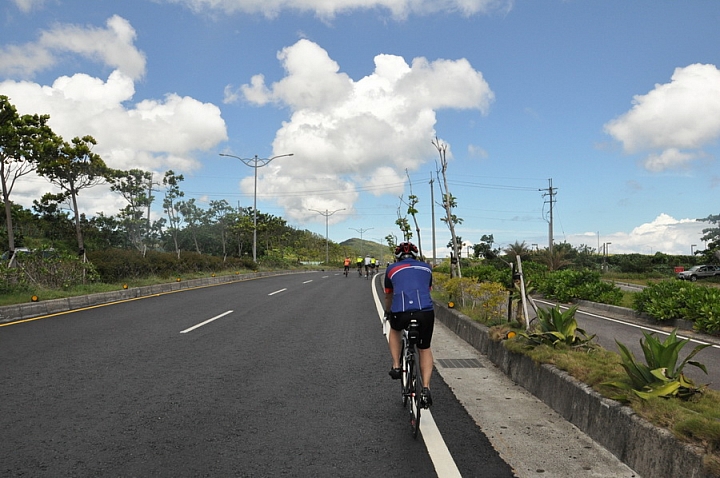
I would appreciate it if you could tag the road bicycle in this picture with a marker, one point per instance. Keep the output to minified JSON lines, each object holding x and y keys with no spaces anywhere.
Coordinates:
{"x":411,"y":384}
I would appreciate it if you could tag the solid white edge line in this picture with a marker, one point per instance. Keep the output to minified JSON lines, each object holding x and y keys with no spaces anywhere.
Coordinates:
{"x":206,"y":322}
{"x":278,"y":291}
{"x":443,"y":461}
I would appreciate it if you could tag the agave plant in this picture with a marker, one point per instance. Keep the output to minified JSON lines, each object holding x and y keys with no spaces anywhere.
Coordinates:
{"x":556,"y":327}
{"x":660,"y":376}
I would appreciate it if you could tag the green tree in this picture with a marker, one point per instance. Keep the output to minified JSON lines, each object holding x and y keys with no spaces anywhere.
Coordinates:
{"x":135,"y":186}
{"x":484,"y":249}
{"x":73,"y":167}
{"x":23,"y":139}
{"x":54,"y":222}
{"x":193,"y":216}
{"x":517,"y":249}
{"x":554,"y":259}
{"x":712,"y":235}
{"x":220,"y":214}
{"x":171,"y":205}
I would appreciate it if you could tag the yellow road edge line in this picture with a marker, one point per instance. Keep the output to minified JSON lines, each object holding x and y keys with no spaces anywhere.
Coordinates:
{"x":156,"y":294}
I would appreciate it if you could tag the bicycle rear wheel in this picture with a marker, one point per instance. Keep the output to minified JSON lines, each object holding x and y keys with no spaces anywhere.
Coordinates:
{"x":405,"y":381}
{"x":415,"y":388}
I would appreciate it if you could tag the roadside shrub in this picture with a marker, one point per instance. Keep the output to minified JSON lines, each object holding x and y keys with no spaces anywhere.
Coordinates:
{"x":666,"y":300}
{"x":12,"y":279}
{"x":568,"y":285}
{"x":674,"y":299}
{"x":708,"y":314}
{"x":489,"y":273}
{"x":58,"y":271}
{"x":487,"y":300}
{"x":115,"y":265}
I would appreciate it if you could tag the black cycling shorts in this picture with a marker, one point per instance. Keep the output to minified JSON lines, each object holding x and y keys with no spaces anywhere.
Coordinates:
{"x":426,"y":319}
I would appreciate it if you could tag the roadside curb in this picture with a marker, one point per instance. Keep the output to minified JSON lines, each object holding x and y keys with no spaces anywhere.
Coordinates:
{"x":13,"y":313}
{"x":647,"y":449}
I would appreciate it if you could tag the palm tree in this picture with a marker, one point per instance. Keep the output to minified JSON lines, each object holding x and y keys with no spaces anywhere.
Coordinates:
{"x":555,"y":259}
{"x":517,"y":249}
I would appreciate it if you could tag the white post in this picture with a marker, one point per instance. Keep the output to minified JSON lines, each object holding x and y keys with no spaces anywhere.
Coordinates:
{"x":522,"y":291}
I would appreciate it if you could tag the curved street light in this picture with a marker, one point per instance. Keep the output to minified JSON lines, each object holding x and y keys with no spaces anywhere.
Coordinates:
{"x":255,"y":163}
{"x":327,"y":214}
{"x":361,"y":231}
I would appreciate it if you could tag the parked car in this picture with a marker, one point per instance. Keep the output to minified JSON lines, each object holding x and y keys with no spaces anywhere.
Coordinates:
{"x":699,"y":272}
{"x":18,"y":251}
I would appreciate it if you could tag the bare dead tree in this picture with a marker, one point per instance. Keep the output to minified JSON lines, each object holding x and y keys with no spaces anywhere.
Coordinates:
{"x":448,"y":203}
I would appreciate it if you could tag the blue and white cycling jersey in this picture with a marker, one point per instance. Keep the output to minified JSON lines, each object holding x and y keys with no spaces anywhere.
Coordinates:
{"x":409,"y":281}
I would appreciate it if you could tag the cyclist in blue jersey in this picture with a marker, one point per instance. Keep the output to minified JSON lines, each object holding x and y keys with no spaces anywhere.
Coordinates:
{"x":407,"y":296}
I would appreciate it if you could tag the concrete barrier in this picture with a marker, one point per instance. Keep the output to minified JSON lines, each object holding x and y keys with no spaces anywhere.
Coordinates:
{"x":649,"y":450}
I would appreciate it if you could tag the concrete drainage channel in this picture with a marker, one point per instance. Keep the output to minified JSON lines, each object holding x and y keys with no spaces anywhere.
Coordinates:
{"x":647,"y":449}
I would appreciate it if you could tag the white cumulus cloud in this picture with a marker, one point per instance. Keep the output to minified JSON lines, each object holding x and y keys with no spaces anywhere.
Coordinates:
{"x":329,"y":9}
{"x":356,"y":135}
{"x":28,"y":5}
{"x":663,"y":234}
{"x":112,"y":46}
{"x":151,"y":134}
{"x":674,"y":121}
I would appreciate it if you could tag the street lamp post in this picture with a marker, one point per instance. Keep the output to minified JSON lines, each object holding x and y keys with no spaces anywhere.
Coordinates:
{"x":361,"y":231}
{"x":255,"y":163}
{"x":605,"y":253}
{"x":327,"y":214}
{"x":692,"y":246}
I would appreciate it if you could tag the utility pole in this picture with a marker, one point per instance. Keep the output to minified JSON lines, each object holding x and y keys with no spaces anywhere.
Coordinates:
{"x":551,"y":195}
{"x":432,"y":209}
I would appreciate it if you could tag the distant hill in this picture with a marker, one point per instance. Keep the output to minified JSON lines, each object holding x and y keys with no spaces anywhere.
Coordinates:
{"x":360,"y":247}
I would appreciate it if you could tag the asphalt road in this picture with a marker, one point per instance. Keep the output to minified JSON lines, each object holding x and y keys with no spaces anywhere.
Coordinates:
{"x":280,"y":376}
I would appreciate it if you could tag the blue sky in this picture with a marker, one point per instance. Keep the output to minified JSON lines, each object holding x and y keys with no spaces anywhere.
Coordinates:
{"x":617,"y":102}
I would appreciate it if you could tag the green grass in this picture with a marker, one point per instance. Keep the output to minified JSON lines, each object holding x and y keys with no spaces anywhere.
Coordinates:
{"x":627,"y":299}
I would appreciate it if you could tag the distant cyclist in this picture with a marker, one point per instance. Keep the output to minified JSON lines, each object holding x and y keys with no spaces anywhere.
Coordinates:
{"x":359,"y":264}
{"x":346,"y":265}
{"x":373,"y":264}
{"x":407,"y":296}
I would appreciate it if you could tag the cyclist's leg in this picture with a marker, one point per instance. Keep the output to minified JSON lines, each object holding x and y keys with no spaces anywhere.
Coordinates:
{"x":426,"y":365}
{"x":395,"y":343}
